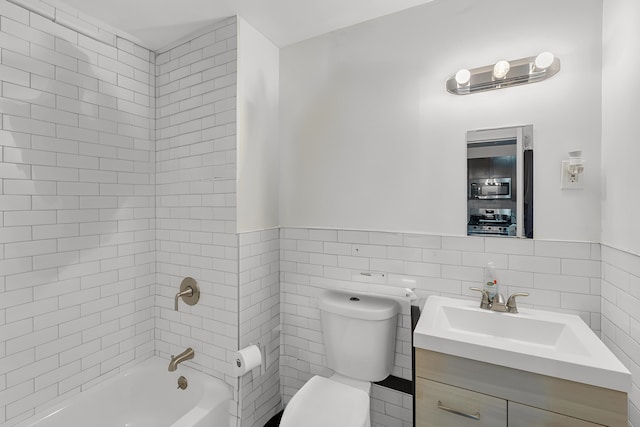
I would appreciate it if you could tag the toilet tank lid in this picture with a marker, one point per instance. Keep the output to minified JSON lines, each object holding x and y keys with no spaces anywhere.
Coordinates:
{"x":358,"y":306}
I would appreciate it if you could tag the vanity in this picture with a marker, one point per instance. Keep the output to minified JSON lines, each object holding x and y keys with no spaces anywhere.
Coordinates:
{"x":477,"y":367}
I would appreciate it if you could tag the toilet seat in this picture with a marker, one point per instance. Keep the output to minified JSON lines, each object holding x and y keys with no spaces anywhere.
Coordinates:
{"x":322,"y":402}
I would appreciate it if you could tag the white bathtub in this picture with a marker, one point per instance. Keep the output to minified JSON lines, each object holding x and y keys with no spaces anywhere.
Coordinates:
{"x":145,"y":396}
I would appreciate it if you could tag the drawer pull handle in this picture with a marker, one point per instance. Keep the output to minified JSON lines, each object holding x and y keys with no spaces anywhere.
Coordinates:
{"x":475,"y":416}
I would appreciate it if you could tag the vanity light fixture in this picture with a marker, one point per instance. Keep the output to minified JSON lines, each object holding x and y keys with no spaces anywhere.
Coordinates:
{"x":504,"y":74}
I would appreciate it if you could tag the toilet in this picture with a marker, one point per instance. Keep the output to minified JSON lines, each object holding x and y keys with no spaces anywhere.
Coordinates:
{"x":359,"y":333}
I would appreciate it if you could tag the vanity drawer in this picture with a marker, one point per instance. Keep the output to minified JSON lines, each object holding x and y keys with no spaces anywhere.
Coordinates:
{"x":528,"y":416}
{"x":441,"y":405}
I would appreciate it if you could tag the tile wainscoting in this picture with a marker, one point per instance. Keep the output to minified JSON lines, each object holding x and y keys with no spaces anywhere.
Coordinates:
{"x":621,"y":316}
{"x":560,"y":276}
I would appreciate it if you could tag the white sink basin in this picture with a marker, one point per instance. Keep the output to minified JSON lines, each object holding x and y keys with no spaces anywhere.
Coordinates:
{"x":543,"y":342}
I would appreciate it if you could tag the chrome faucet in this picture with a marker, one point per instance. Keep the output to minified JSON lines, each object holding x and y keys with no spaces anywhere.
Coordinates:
{"x":498,"y":303}
{"x":182,"y":357}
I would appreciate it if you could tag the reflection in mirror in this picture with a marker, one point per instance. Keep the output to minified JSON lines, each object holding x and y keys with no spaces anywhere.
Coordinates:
{"x":500,"y":182}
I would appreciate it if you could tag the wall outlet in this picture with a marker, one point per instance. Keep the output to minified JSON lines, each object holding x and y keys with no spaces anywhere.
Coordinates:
{"x":567,"y":182}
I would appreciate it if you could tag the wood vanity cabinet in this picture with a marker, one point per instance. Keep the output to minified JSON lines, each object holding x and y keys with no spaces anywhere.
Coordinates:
{"x":457,"y":392}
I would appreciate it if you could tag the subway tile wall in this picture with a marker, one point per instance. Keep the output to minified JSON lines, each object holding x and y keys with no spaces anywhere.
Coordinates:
{"x":621,"y":316}
{"x":196,"y":200}
{"x":260,"y":323}
{"x":77,"y":210}
{"x":560,"y":276}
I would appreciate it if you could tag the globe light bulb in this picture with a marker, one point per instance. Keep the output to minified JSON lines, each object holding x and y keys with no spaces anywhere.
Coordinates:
{"x":544,"y":60}
{"x":501,"y":69}
{"x":463,"y":77}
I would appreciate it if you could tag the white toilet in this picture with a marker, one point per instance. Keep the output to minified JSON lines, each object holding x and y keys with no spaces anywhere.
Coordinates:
{"x":359,"y":335}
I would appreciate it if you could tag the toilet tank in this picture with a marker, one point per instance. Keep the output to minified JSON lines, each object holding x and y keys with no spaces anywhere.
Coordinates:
{"x":359,"y":334}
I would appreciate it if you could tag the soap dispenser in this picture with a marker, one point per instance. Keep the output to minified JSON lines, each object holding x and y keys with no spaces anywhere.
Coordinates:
{"x":490,"y":281}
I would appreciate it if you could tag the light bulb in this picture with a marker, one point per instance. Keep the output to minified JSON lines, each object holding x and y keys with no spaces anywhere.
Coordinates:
{"x":501,"y":69}
{"x":463,"y":77}
{"x":544,"y":60}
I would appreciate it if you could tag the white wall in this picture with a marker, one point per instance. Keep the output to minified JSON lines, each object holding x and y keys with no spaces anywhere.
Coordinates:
{"x":258,"y":110}
{"x":370,"y":139}
{"x":620,"y":142}
{"x":620,"y":228}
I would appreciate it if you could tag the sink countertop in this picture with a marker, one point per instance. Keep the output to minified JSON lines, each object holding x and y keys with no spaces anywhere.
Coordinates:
{"x":543,"y":342}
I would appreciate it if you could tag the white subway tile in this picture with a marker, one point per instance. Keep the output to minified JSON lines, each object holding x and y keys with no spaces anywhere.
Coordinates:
{"x":562,"y":283}
{"x":370,"y":251}
{"x":471,"y":274}
{"x":477,"y":259}
{"x":15,"y":44}
{"x":536,"y":264}
{"x":30,"y":248}
{"x":468,"y":244}
{"x":511,"y":246}
{"x":25,"y":125}
{"x":580,"y":302}
{"x":25,"y":63}
{"x":48,"y":26}
{"x":32,"y":371}
{"x":388,"y":265}
{"x":50,"y":56}
{"x":14,"y":234}
{"x":404,"y":253}
{"x":31,"y":340}
{"x":55,"y":231}
{"x":31,"y":157}
{"x":581,"y":268}
{"x":23,"y":186}
{"x":15,"y":171}
{"x":14,"y":12}
{"x":31,"y":309}
{"x":323,"y":235}
{"x":576,"y":250}
{"x":360,"y":237}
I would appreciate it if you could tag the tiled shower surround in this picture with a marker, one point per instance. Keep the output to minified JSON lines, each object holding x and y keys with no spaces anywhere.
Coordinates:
{"x":77,"y":231}
{"x":118,"y":179}
{"x":195,"y":195}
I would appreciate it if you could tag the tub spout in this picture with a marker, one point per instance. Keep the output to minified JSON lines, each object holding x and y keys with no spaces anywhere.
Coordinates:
{"x":175,"y":361}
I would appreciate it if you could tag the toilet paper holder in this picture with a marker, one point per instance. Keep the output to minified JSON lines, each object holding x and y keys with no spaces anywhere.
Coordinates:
{"x":240,"y":369}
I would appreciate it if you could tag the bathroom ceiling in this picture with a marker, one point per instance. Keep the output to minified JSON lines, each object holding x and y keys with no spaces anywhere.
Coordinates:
{"x":157,"y":23}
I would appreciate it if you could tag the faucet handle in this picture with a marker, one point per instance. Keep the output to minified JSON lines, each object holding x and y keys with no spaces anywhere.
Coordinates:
{"x":189,"y":292}
{"x":484,"y":303}
{"x":512,"y":307}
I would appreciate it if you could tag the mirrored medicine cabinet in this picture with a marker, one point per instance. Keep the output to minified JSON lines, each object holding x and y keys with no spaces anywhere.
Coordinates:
{"x":500,"y":182}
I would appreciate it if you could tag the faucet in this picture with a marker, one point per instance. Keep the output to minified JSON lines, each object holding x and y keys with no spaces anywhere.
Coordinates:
{"x":182,"y":357}
{"x":498,"y":303}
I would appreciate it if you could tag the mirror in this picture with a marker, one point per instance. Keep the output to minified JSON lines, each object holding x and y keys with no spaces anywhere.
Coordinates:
{"x":500,"y":182}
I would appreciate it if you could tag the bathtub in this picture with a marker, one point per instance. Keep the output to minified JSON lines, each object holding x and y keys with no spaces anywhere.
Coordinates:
{"x":147,"y":395}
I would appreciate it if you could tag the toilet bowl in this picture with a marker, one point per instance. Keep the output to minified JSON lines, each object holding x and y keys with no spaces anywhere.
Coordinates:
{"x":359,"y":336}
{"x":324,"y":402}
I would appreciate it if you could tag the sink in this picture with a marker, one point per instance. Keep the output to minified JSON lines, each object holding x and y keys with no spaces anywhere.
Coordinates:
{"x":548,"y":343}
